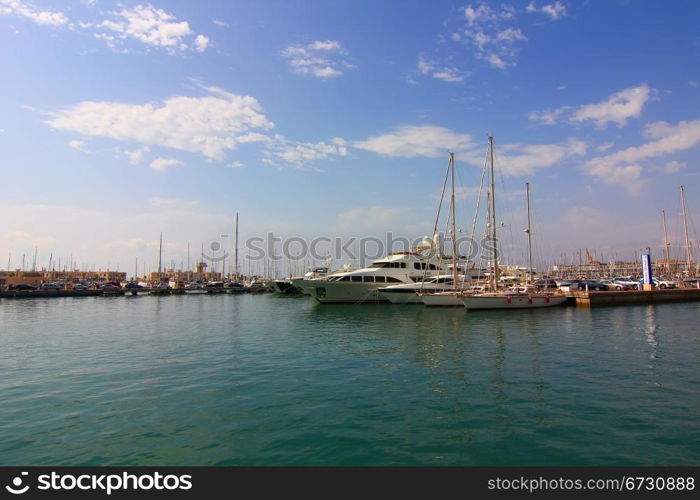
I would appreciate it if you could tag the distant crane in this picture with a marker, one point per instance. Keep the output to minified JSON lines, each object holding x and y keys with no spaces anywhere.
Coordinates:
{"x":590,"y":259}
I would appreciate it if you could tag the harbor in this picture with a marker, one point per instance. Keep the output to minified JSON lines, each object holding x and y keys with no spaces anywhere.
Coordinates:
{"x":271,"y":380}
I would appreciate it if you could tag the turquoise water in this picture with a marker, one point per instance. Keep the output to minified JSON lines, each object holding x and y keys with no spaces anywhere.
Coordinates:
{"x":268,"y":380}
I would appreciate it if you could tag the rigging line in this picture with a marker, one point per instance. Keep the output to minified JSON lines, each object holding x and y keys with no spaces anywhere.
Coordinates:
{"x":437,"y":221}
{"x":476,"y":212}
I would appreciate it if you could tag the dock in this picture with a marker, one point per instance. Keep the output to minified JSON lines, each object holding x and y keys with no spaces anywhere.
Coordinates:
{"x":35,"y":294}
{"x":631,"y":297}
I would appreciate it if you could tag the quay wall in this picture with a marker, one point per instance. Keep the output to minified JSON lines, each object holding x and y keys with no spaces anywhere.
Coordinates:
{"x":595,"y":299}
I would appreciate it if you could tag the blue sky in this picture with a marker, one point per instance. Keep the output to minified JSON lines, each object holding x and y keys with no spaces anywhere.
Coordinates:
{"x":119,"y":120}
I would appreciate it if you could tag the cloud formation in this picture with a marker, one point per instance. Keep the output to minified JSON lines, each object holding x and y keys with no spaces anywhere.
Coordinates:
{"x":150,"y":26}
{"x":555,"y":10}
{"x":617,"y":108}
{"x":282,"y":151}
{"x":625,"y":167}
{"x":42,"y":17}
{"x":209,"y":125}
{"x":409,"y":141}
{"x":322,"y":59}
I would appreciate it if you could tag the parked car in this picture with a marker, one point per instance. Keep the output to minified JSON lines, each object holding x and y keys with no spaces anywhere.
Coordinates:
{"x":614,"y":286}
{"x":662,"y":283}
{"x":629,"y":282}
{"x":594,"y":285}
{"x":132,"y":285}
{"x":22,"y":286}
{"x":109,"y":287}
{"x":51,"y":286}
{"x":80,"y":286}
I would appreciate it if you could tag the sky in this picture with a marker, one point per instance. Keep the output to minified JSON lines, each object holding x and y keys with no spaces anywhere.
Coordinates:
{"x":122,"y":120}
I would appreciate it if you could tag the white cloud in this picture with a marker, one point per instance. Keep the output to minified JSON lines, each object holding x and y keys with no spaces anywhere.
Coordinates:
{"x":524,"y":159}
{"x":322,"y":59}
{"x":624,"y":167}
{"x":23,"y":9}
{"x":150,"y":26}
{"x":209,"y":125}
{"x":162,"y":164}
{"x":136,"y":157}
{"x":78,"y":145}
{"x":604,"y":147}
{"x":555,"y":10}
{"x":617,"y":108}
{"x":445,"y":73}
{"x":493,"y":33}
{"x":282,"y":151}
{"x":408,"y":141}
{"x":673,"y":167}
{"x":220,"y":23}
{"x":201,"y":43}
{"x":236,"y":164}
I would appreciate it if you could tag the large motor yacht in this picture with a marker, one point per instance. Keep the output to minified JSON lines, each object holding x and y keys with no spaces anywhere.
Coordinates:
{"x":362,"y":285}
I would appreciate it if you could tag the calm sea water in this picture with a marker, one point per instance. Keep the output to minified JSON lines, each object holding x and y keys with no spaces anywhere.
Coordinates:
{"x":268,"y":380}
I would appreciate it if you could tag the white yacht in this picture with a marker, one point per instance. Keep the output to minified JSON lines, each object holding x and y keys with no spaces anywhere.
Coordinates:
{"x":408,"y":293}
{"x":362,"y":285}
{"x":300,"y":283}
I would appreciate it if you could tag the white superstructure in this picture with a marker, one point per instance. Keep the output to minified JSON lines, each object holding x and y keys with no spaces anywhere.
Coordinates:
{"x":362,"y":285}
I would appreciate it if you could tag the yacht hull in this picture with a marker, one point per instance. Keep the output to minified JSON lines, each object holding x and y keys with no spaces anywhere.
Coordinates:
{"x":401,"y":296}
{"x":330,"y":292}
{"x":498,"y":301}
{"x":447,"y":299}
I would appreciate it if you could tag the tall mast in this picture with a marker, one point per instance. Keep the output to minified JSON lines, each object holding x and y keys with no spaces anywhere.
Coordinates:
{"x":160,"y":255}
{"x":494,"y":236}
{"x":455,"y":271}
{"x":236,"y":249}
{"x":688,"y":252}
{"x":529,"y":232}
{"x":666,"y":243}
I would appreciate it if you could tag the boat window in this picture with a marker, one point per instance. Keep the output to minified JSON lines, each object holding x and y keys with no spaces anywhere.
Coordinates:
{"x":432,"y":267}
{"x":380,"y":279}
{"x":403,"y":265}
{"x":376,"y":265}
{"x":368,"y":279}
{"x":391,"y":279}
{"x":356,"y":278}
{"x":418,"y":265}
{"x":344,"y":278}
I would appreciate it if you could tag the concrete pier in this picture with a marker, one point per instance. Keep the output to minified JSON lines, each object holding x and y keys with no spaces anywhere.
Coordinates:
{"x":597,"y":299}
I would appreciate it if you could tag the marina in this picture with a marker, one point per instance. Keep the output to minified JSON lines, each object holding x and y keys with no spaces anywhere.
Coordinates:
{"x":270,"y":380}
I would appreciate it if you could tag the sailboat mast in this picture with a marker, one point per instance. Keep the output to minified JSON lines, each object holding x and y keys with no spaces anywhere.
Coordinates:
{"x":666,"y":243}
{"x":529,"y":232}
{"x":494,"y":236}
{"x":689,"y":254}
{"x":160,"y":255}
{"x":455,"y":271}
{"x":236,"y":250}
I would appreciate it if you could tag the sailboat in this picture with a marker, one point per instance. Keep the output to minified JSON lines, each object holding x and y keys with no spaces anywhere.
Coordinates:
{"x":447,"y":292}
{"x":162,"y":287}
{"x":497,"y":298}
